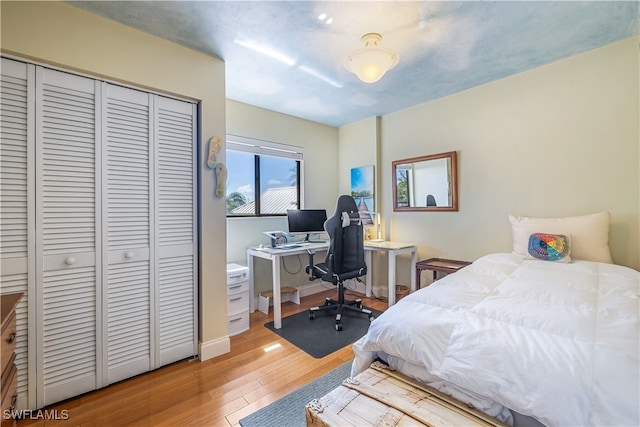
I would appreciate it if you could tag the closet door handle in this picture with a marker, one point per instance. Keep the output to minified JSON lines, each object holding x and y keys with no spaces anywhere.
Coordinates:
{"x":129,"y":255}
{"x":70,"y":261}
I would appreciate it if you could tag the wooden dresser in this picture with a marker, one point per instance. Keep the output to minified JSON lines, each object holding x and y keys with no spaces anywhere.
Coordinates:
{"x":9,"y":371}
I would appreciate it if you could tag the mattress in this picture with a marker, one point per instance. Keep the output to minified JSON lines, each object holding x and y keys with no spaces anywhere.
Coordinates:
{"x":554,"y":341}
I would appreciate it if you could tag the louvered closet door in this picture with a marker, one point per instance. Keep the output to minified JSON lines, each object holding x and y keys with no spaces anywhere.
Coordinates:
{"x":16,"y":201}
{"x":176,"y":266}
{"x":67,"y":219}
{"x":129,"y":210}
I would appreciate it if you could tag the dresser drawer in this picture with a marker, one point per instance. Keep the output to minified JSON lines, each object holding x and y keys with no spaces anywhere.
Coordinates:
{"x":237,"y":303}
{"x":8,"y":338}
{"x":234,"y":288}
{"x":237,"y":323}
{"x":9,"y":386}
{"x":236,"y":274}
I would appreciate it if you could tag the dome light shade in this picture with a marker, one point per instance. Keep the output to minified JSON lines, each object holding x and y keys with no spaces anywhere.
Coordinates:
{"x":373,"y":61}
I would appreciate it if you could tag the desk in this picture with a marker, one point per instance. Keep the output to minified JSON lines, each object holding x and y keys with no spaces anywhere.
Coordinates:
{"x":274,"y":255}
{"x":393,"y":249}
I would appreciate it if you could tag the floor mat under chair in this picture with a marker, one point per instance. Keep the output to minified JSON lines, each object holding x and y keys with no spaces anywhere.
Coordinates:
{"x":319,"y":337}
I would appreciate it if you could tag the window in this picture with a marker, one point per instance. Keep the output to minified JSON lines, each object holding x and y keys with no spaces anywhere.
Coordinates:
{"x":263,"y":177}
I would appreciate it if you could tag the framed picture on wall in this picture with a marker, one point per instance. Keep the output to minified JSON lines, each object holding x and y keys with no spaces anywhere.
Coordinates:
{"x":363,"y":191}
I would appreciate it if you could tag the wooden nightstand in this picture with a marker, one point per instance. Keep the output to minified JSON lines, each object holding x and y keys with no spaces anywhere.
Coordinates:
{"x":9,"y":369}
{"x":438,"y":265}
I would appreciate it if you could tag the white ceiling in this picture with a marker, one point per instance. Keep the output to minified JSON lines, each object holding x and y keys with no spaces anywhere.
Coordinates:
{"x":445,"y":46}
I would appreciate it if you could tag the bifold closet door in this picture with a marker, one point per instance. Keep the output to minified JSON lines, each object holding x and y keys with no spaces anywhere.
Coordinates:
{"x":98,"y":226}
{"x":175,"y":142}
{"x":128,"y":198}
{"x":149,"y":165}
{"x":68,"y":218}
{"x":17,"y":225}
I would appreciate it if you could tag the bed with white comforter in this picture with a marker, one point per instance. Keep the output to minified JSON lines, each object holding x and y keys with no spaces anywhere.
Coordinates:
{"x":554,"y":341}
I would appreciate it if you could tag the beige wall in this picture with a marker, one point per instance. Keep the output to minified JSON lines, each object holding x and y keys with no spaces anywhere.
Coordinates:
{"x":320,"y":182}
{"x":576,"y":119}
{"x":60,"y":34}
{"x":559,"y":140}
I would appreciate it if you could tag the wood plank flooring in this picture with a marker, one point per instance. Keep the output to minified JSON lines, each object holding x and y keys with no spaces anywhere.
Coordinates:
{"x":215,"y":392}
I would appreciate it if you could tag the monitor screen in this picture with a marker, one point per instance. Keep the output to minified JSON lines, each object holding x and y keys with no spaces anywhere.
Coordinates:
{"x":306,"y":220}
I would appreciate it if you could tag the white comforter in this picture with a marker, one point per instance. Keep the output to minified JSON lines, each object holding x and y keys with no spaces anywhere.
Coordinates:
{"x":558,"y":342}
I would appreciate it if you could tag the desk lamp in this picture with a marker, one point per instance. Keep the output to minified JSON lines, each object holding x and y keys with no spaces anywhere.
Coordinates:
{"x":377,"y":223}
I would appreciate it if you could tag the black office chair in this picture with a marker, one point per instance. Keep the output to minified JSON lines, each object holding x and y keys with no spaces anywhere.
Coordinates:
{"x":431,"y":201}
{"x":345,"y":259}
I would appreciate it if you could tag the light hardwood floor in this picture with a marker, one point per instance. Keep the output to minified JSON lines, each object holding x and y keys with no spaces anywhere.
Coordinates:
{"x":215,"y":392}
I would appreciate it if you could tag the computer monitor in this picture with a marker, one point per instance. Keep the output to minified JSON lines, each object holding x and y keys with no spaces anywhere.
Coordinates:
{"x":309,"y":221}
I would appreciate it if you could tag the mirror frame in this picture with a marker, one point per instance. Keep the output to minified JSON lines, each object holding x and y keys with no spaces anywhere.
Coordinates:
{"x":453,"y":183}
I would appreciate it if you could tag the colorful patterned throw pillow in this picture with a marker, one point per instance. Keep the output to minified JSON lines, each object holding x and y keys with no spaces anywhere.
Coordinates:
{"x":549,"y":247}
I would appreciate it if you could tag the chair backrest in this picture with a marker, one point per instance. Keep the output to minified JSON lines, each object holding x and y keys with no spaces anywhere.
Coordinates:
{"x":431,"y":201}
{"x":346,"y":245}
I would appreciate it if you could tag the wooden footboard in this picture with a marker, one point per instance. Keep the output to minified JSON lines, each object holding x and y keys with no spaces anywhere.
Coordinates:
{"x":381,"y":396}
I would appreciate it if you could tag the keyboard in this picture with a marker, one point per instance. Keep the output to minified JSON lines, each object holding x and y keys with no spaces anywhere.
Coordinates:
{"x":289,"y":246}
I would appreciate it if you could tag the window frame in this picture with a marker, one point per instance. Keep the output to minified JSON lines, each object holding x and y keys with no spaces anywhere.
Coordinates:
{"x":260,"y":148}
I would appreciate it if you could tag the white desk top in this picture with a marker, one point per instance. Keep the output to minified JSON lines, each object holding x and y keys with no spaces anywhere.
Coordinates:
{"x":301,"y":247}
{"x":387,"y":245}
{"x":298,"y":249}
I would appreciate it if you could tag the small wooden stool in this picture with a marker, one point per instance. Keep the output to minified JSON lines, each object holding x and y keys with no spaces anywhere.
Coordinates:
{"x":286,"y":294}
{"x":438,"y":265}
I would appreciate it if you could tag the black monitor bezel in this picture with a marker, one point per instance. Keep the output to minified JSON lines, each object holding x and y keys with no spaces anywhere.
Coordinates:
{"x":294,"y":214}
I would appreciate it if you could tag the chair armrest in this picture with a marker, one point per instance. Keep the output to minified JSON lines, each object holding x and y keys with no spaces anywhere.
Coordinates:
{"x":309,"y":268}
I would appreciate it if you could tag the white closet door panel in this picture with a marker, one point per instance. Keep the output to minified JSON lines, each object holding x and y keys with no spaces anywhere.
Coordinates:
{"x":129,"y":342}
{"x":13,"y":160}
{"x":177,"y":300}
{"x":175,"y":148}
{"x":69,"y":260}
{"x":69,"y":329}
{"x":168,"y":252}
{"x":128,"y":234}
{"x":69,"y":248}
{"x":67,"y":151}
{"x":128,"y":256}
{"x":17,"y":220}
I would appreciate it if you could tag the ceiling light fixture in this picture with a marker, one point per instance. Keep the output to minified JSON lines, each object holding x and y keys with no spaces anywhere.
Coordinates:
{"x":373,"y":61}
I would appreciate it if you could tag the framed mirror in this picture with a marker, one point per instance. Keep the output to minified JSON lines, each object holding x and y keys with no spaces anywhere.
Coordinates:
{"x":427,"y":183}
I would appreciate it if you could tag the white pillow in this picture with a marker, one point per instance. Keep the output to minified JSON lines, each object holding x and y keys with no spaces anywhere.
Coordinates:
{"x":589,"y":234}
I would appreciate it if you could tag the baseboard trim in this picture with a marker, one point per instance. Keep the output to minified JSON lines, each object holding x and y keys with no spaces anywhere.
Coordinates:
{"x":211,"y":349}
{"x":319,"y":286}
{"x":312,"y":288}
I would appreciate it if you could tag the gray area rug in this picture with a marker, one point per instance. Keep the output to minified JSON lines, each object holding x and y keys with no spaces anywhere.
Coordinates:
{"x":289,"y":410}
{"x":319,"y":337}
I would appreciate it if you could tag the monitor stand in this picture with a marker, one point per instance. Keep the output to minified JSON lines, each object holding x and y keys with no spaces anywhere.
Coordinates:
{"x":308,"y":240}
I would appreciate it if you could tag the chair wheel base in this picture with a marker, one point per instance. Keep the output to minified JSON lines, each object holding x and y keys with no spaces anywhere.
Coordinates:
{"x":340,"y":306}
